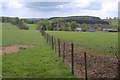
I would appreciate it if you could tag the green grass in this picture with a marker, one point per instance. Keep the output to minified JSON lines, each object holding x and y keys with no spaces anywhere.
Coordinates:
{"x":32,"y":26}
{"x":8,"y":26}
{"x":97,"y":42}
{"x":37,"y":62}
{"x":13,"y":37}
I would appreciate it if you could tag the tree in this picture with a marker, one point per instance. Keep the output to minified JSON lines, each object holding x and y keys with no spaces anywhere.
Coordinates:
{"x":15,"y":21}
{"x":85,"y":27}
{"x":49,"y":25}
{"x":73,"y":25}
{"x":62,"y":26}
{"x":41,"y":24}
{"x":21,"y":25}
{"x":67,"y":26}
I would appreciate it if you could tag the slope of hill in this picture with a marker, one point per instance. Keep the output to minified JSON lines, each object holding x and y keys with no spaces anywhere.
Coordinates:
{"x":81,"y":19}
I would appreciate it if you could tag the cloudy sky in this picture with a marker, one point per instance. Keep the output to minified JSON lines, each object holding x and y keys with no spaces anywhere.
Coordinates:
{"x":53,"y":8}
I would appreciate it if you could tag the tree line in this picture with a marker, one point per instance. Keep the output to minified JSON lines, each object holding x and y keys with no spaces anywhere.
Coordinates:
{"x":81,"y":19}
{"x":15,"y":21}
{"x":70,"y":23}
{"x":64,"y":23}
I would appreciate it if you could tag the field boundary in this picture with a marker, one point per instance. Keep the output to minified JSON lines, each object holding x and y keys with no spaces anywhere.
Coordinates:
{"x":84,"y":65}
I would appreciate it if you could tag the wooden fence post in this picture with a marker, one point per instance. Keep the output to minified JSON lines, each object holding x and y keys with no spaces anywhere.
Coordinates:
{"x":42,"y":32}
{"x":59,"y":46}
{"x":85,"y":66}
{"x":72,"y":58}
{"x":47,"y":38}
{"x":45,"y":35}
{"x":55,"y":45}
{"x":52,"y":43}
{"x":63,"y":52}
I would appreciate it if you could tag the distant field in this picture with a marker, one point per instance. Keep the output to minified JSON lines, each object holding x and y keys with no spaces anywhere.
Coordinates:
{"x":97,"y":42}
{"x":8,"y":26}
{"x":37,"y":62}
{"x":32,"y":26}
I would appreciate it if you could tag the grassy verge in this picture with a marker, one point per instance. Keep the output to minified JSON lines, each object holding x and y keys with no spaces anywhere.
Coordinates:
{"x":37,"y":62}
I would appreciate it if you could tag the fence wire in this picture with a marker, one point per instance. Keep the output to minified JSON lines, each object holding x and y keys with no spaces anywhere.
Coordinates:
{"x":90,"y":66}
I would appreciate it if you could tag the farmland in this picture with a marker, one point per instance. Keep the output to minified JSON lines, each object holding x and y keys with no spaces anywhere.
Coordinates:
{"x":32,"y":26}
{"x":97,"y":42}
{"x":36,"y":62}
{"x":41,"y":61}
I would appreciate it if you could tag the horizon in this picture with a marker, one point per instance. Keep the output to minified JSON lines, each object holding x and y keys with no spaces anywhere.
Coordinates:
{"x":55,"y":16}
{"x":40,"y":9}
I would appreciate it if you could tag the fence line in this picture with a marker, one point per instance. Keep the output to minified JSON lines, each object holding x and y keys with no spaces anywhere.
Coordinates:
{"x":72,"y":58}
{"x":63,"y":52}
{"x":85,"y":66}
{"x":59,"y":45}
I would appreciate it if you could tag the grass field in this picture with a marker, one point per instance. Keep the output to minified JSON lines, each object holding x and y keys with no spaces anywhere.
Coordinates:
{"x":8,"y":26}
{"x":98,"y":42}
{"x":32,"y":26}
{"x":37,"y":62}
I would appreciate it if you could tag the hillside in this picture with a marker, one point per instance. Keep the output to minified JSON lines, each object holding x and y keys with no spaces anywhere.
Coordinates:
{"x":112,"y":22}
{"x":81,"y":19}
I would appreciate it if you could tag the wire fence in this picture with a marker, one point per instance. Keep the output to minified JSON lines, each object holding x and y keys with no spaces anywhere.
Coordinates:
{"x":83,"y":63}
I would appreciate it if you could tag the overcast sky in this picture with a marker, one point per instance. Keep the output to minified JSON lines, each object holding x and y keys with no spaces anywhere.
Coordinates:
{"x":53,"y":8}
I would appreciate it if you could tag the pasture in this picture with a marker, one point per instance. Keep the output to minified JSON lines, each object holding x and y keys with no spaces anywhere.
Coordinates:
{"x":36,"y":62}
{"x":104,"y":43}
{"x":8,"y":26}
{"x":32,"y":26}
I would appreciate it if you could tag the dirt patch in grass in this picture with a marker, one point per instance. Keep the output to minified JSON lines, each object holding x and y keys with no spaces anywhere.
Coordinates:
{"x":98,"y":66}
{"x":13,"y":49}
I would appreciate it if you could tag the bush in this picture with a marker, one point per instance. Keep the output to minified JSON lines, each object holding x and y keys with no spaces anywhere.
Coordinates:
{"x":23,"y":26}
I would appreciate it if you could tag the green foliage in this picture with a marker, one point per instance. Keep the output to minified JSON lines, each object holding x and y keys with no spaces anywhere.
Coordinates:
{"x":96,"y":42}
{"x":49,"y":25}
{"x":81,"y":19}
{"x":57,"y":25}
{"x":15,"y":21}
{"x":70,"y":23}
{"x":113,"y":23}
{"x":42,"y":24}
{"x":74,"y":25}
{"x":22,"y":25}
{"x":85,"y":27}
{"x":67,"y":26}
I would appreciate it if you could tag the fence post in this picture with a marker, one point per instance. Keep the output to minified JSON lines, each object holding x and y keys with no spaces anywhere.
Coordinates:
{"x":85,"y":66}
{"x":52,"y":43}
{"x":63,"y":52}
{"x":118,"y":69}
{"x":47,"y":38}
{"x":55,"y":45}
{"x":59,"y":46}
{"x":72,"y":58}
{"x":42,"y":32}
{"x":45,"y":35}
{"x":118,"y":64}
